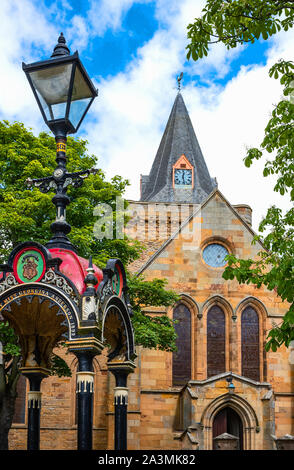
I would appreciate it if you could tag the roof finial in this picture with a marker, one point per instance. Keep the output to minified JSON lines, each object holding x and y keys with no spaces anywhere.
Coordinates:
{"x":90,"y":263}
{"x":90,"y":277}
{"x":61,"y":47}
{"x":179,"y":78}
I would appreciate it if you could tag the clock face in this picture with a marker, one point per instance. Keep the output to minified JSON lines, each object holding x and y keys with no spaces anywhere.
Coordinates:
{"x":58,"y":173}
{"x":183,"y":177}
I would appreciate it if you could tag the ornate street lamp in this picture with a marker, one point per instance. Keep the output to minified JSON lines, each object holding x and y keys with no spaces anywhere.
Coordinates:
{"x":64,"y":93}
{"x":96,"y":307}
{"x":62,"y":88}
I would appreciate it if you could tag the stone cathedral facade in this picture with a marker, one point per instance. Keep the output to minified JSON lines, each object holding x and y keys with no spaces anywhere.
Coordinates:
{"x":220,"y":381}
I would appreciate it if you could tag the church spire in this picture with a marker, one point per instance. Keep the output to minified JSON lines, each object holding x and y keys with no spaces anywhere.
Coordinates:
{"x":179,"y":172}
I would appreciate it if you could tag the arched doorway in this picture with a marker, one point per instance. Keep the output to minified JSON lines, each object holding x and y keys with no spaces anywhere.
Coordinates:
{"x":227,"y":420}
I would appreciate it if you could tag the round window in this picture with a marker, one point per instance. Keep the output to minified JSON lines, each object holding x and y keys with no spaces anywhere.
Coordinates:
{"x":214,"y":255}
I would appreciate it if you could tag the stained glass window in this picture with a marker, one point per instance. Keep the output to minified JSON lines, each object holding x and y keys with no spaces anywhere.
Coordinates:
{"x":214,"y":255}
{"x":182,"y":357}
{"x":216,"y":341}
{"x":250,"y":344}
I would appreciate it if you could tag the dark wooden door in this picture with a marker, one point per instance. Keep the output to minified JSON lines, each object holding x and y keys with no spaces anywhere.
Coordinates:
{"x":227,"y":420}
{"x":220,"y":424}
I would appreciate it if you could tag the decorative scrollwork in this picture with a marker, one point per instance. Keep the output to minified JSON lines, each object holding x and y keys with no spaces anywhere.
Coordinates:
{"x":43,"y":184}
{"x":52,"y":278}
{"x":62,"y":178}
{"x":107,"y":291}
{"x":9,"y":281}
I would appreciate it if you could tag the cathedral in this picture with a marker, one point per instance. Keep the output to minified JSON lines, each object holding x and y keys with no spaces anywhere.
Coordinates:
{"x":221,"y":388}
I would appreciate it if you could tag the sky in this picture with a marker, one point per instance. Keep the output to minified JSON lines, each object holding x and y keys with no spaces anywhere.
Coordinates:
{"x":133,"y":52}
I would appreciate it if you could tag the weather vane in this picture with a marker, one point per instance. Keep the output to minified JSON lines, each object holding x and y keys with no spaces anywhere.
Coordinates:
{"x":179,"y":78}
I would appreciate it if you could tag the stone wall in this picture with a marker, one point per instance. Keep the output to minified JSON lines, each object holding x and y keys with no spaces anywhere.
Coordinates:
{"x":165,"y":417}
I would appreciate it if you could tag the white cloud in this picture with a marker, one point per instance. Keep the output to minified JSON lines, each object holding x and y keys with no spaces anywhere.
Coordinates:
{"x":77,"y":35}
{"x":134,"y":107}
{"x":237,"y":121}
{"x":24,"y":30}
{"x":108,"y":14}
{"x":126,"y":122}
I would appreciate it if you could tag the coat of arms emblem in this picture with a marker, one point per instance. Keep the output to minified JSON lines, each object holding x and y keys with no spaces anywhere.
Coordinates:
{"x":30,"y":267}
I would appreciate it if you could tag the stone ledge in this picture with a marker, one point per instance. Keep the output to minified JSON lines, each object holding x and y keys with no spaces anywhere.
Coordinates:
{"x":111,"y":413}
{"x":55,"y":428}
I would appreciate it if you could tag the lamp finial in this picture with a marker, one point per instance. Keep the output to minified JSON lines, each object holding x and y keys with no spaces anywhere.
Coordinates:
{"x":61,"y":48}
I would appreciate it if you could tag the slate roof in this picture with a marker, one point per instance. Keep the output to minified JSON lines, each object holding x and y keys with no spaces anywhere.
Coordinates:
{"x":179,"y":138}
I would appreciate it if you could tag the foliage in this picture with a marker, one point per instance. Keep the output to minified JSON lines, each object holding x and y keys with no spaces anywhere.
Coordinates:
{"x":234,"y":22}
{"x":58,"y":366}
{"x":9,"y":342}
{"x":156,"y":331}
{"x":239,"y":22}
{"x":26,"y":214}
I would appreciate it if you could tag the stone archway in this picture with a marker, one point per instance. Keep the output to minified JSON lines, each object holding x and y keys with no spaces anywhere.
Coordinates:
{"x":242,"y":408}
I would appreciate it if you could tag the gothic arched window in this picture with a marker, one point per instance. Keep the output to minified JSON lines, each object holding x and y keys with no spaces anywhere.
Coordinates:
{"x":216,"y":341}
{"x":182,"y":357}
{"x":250,"y":344}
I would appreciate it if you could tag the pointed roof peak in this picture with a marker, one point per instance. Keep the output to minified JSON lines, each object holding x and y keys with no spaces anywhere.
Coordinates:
{"x":178,"y":139}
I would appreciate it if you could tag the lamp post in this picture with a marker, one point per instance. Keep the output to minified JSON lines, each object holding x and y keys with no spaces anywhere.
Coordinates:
{"x":64,"y":93}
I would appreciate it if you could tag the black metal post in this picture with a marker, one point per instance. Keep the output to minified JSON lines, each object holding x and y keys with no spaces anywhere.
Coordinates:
{"x":85,"y":389}
{"x":60,"y":227}
{"x":59,"y":182}
{"x":34,"y":410}
{"x":120,"y":408}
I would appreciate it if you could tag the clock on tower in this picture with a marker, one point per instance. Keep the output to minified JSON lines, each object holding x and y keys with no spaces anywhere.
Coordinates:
{"x":183,"y":176}
{"x":183,"y":173}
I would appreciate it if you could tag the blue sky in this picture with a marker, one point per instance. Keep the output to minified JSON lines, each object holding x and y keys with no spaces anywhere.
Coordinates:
{"x":109,"y":53}
{"x":133,"y":51}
